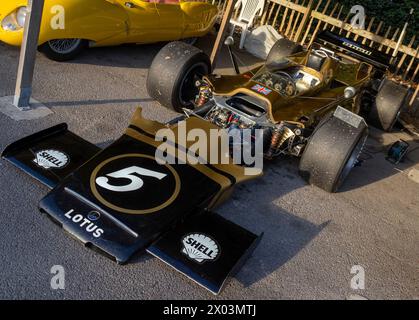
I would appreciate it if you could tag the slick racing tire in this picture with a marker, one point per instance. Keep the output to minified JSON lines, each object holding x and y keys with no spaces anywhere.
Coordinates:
{"x":332,"y":152}
{"x":173,"y":74}
{"x":386,"y":108}
{"x":63,"y":49}
{"x":282,"y":49}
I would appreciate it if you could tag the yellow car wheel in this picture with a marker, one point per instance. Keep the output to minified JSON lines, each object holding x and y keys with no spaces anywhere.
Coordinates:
{"x":63,"y":49}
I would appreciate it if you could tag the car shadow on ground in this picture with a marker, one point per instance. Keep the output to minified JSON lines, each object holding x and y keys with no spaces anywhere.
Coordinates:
{"x":374,"y":166}
{"x":122,"y":56}
{"x":284,"y":234}
{"x":55,"y":104}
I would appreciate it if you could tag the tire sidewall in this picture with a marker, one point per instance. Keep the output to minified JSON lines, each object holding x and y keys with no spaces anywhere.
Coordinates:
{"x":317,"y":169}
{"x":387,"y":105}
{"x":339,"y":179}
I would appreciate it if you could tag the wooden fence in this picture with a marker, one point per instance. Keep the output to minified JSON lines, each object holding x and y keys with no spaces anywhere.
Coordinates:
{"x":301,"y":20}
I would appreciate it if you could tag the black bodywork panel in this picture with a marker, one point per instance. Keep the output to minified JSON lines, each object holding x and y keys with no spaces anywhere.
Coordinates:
{"x":93,"y":201}
{"x":180,"y":248}
{"x":24,"y":152}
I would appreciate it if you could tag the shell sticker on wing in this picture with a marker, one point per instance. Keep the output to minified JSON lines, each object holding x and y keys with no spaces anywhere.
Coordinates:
{"x":48,"y":159}
{"x":200,"y":247}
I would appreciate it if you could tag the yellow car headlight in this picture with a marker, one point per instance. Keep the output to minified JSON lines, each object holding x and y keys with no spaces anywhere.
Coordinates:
{"x":15,"y":20}
{"x":9,"y":23}
{"x":21,"y":16}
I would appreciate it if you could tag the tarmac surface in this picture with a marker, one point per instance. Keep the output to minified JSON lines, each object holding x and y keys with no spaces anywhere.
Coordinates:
{"x":312,"y":238}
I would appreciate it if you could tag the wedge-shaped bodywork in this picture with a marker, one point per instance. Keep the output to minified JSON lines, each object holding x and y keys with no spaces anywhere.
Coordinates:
{"x":120,"y":200}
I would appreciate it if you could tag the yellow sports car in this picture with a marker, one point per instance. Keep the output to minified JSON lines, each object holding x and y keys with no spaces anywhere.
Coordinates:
{"x":69,"y":26}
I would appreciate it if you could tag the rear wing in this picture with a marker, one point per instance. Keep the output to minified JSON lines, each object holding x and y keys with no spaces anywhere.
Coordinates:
{"x":355,"y":49}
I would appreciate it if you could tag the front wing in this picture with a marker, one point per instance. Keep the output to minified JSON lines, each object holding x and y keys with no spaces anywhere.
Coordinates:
{"x":119,"y":201}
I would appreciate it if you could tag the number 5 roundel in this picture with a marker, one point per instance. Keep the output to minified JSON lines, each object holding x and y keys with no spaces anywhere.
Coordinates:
{"x":135,"y":184}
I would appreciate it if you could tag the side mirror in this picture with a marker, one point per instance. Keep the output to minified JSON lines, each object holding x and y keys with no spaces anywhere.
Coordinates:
{"x":349,"y":92}
{"x":229,"y":41}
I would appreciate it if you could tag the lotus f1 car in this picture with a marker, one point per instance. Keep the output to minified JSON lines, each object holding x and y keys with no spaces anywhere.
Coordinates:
{"x":69,"y":26}
{"x":314,"y":103}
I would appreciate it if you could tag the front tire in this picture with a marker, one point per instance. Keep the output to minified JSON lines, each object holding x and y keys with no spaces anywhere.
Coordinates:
{"x":173,"y":74}
{"x":63,"y":49}
{"x":332,"y":152}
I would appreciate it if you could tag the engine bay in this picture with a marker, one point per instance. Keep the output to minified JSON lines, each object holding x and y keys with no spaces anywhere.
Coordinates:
{"x":239,"y":113}
{"x":287,"y":82}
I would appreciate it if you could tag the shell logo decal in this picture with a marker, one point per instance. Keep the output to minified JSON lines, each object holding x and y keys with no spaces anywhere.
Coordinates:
{"x":199,"y":247}
{"x":48,"y":159}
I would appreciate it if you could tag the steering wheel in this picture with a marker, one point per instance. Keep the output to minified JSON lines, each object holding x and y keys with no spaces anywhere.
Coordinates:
{"x":284,"y":74}
{"x":291,"y":87}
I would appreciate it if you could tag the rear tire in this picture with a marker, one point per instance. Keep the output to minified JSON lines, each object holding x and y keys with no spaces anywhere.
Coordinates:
{"x":173,"y":73}
{"x":332,"y":152}
{"x":387,"y":105}
{"x":281,"y":49}
{"x":63,"y":49}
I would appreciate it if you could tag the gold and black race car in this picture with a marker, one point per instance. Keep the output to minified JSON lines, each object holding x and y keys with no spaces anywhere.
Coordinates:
{"x":313,"y":103}
{"x":124,"y":199}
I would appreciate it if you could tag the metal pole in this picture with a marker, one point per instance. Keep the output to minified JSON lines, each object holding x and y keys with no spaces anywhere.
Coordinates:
{"x":219,"y":41}
{"x":28,"y":50}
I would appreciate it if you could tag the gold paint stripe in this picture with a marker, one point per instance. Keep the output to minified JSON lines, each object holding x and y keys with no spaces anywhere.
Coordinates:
{"x":219,"y":178}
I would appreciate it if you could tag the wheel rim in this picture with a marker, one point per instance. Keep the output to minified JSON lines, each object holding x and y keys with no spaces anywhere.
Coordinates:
{"x":188,"y":89}
{"x":350,"y":163}
{"x":64,"y":46}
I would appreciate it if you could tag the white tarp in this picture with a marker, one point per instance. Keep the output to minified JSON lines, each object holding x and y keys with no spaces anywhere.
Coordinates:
{"x":260,"y":41}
